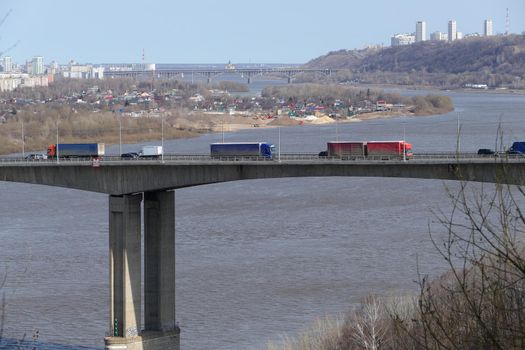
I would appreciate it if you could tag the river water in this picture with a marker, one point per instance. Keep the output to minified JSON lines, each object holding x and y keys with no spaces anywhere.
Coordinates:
{"x":255,"y":259}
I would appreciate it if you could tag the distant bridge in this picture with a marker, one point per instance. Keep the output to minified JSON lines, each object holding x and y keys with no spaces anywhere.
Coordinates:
{"x":210,"y":74}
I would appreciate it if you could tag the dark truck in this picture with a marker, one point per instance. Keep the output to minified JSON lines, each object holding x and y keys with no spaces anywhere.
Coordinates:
{"x":76,"y":150}
{"x":517,"y":147}
{"x":242,"y":149}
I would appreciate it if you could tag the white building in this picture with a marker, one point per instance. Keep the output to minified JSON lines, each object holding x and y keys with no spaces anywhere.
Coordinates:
{"x":7,"y":64}
{"x":487,"y":27}
{"x":402,"y":39}
{"x":9,"y":82}
{"x":452,"y":31}
{"x":421,"y":31}
{"x":37,"y":65}
{"x":438,"y":36}
{"x":77,"y":71}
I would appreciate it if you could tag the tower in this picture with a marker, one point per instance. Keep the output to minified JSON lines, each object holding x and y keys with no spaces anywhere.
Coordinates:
{"x":7,"y":63}
{"x":421,"y":31}
{"x":487,"y":27}
{"x":37,"y":66}
{"x":507,"y":24}
{"x":452,"y":31}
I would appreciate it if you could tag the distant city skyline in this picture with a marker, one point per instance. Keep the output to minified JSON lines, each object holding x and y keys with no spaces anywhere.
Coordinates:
{"x":211,"y":31}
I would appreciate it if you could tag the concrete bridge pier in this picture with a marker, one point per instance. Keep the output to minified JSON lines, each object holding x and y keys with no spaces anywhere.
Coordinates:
{"x":160,"y":330}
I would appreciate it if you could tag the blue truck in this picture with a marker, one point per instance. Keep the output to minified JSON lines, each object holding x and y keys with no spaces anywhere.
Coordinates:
{"x":517,"y":147}
{"x":242,"y":149}
{"x":76,"y":150}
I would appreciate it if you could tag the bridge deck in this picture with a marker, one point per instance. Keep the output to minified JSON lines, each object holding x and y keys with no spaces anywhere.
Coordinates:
{"x":115,"y":176}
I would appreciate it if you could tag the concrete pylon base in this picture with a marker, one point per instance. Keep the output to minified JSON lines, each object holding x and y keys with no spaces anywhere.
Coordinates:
{"x":149,"y":340}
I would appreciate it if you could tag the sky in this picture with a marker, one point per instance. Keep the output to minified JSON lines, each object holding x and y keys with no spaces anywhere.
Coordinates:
{"x":240,"y":31}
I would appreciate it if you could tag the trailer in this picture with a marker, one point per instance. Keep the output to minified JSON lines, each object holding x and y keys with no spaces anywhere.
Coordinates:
{"x":389,"y":149}
{"x":242,"y":149}
{"x":76,"y":150}
{"x":346,"y":149}
{"x":151,"y":152}
{"x":368,"y":150}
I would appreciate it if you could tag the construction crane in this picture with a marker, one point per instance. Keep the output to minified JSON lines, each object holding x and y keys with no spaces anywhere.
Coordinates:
{"x":9,"y":48}
{"x":1,"y":23}
{"x":5,"y":17}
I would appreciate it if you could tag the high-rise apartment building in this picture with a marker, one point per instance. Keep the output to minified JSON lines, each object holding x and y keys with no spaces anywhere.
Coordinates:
{"x":7,"y":64}
{"x":37,"y":66}
{"x":421,"y":31}
{"x":487,"y":27}
{"x":452,"y":31}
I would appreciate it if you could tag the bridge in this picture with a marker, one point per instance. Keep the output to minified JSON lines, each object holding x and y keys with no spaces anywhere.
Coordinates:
{"x":209,"y":74}
{"x":151,"y":183}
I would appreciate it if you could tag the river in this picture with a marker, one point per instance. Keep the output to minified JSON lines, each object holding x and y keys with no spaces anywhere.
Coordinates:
{"x":255,"y":259}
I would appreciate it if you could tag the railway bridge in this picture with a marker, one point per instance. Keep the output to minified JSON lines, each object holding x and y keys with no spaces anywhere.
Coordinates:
{"x":151,"y":183}
{"x":209,"y":74}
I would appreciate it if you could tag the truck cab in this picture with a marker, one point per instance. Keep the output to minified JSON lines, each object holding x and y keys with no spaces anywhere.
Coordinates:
{"x":517,"y":147}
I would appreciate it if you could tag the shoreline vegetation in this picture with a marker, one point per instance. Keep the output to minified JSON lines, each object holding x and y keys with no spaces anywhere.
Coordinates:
{"x":477,"y":304}
{"x":30,"y":119}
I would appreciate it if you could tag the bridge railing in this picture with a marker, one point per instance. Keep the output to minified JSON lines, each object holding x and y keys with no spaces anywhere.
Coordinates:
{"x":288,"y":157}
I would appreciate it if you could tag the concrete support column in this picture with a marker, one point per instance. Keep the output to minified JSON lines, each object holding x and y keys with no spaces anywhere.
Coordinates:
{"x":125,"y":265}
{"x":159,"y":261}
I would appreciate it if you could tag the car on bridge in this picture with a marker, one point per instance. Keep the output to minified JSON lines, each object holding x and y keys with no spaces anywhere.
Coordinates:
{"x":36,"y":156}
{"x":486,"y":152}
{"x":129,"y":155}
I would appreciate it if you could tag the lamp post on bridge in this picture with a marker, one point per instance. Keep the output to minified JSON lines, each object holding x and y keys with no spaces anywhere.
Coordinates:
{"x":23,"y":141}
{"x":279,"y":145}
{"x":458,"y":140}
{"x":56,"y":148}
{"x":336,"y":128}
{"x":120,"y":133}
{"x":404,"y":145}
{"x":162,"y":137}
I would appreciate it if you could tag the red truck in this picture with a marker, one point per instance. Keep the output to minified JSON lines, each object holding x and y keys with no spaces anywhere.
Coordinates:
{"x":388,"y":149}
{"x":368,"y":149}
{"x":346,"y":149}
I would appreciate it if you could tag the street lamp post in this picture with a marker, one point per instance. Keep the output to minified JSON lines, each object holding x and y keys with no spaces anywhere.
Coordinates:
{"x":222,"y":127}
{"x":336,"y":128}
{"x":120,"y":133}
{"x":279,"y":145}
{"x":458,"y":137}
{"x":23,"y":141}
{"x":162,"y":137}
{"x":404,"y":146}
{"x":56,"y":149}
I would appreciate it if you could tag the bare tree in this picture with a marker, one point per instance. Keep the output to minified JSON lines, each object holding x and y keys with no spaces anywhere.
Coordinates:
{"x":368,"y":326}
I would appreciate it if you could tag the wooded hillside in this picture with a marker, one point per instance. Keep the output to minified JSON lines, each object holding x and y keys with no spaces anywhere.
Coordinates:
{"x":497,"y":61}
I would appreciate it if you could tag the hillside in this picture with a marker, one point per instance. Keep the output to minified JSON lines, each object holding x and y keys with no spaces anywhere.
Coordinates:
{"x":497,"y":61}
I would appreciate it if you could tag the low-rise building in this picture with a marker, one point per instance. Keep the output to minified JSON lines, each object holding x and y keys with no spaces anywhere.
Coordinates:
{"x":9,"y":82}
{"x":438,"y":36}
{"x":77,"y":71}
{"x":402,"y":39}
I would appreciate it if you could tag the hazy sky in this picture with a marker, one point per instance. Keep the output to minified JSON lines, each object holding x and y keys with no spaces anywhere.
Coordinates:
{"x":243,"y":31}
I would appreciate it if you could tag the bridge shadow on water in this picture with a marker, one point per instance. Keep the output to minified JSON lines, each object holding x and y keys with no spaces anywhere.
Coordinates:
{"x":17,"y":344}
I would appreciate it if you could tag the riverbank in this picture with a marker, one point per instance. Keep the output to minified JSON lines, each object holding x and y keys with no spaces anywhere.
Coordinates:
{"x":150,"y":129}
{"x":33,"y":126}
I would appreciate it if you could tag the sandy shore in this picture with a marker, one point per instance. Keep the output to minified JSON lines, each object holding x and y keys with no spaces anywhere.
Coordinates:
{"x":229,"y":123}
